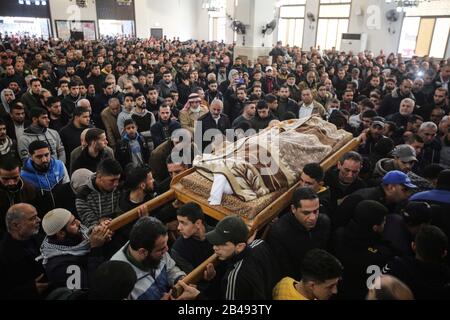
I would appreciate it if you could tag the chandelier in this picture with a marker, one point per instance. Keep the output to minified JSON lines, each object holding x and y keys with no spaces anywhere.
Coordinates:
{"x":213,"y":5}
{"x":35,"y":2}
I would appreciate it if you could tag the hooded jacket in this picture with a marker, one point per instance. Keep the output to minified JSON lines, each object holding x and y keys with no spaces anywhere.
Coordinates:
{"x":358,"y":249}
{"x":93,"y":204}
{"x":50,"y":136}
{"x":45,"y":181}
{"x":152,"y":284}
{"x":385,"y":165}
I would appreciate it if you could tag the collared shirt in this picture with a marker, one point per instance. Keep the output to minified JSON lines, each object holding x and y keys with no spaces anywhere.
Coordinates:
{"x":305,"y":110}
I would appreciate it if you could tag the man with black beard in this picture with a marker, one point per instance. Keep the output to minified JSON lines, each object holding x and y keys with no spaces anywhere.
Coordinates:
{"x":44,"y":172}
{"x":69,"y":244}
{"x":147,"y":253}
{"x":163,"y":129}
{"x":13,"y":189}
{"x":166,"y":84}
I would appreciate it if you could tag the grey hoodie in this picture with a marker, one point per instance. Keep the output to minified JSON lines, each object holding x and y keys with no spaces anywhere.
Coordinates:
{"x":92,"y":204}
{"x":48,"y":135}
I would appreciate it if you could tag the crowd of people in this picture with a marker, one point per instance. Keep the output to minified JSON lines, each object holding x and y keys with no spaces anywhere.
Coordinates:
{"x":89,"y":129}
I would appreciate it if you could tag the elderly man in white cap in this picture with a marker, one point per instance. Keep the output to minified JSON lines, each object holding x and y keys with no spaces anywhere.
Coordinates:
{"x":71,"y":255}
{"x":192,"y":111}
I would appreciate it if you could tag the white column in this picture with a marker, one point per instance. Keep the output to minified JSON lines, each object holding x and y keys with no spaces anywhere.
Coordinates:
{"x":255,"y":14}
{"x":310,"y":27}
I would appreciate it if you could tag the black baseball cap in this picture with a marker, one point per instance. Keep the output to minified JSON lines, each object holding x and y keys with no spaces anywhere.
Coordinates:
{"x":231,"y":228}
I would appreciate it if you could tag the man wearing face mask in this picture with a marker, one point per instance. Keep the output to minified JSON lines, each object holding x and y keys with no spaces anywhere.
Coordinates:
{"x":44,"y":172}
{"x":147,"y":253}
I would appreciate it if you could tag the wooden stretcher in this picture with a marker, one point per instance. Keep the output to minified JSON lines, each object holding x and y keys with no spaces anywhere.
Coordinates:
{"x":183,"y":195}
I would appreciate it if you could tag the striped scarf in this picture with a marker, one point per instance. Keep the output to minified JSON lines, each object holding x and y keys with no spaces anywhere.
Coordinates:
{"x":6,"y":146}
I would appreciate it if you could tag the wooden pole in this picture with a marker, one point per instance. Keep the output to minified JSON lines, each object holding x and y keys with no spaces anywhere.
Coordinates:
{"x":132,"y":215}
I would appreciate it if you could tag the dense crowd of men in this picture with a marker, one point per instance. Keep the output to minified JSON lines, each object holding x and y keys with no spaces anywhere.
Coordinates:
{"x":88,"y":131}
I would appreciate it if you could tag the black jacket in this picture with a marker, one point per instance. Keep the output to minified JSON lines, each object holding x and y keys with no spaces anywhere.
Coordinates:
{"x":400,"y":121}
{"x":431,"y":153}
{"x":259,"y":123}
{"x":68,"y":104}
{"x":19,"y":269}
{"x":391,"y":103}
{"x":57,"y":268}
{"x":357,"y":249}
{"x":86,"y":161}
{"x":207,"y":122}
{"x":189,"y":253}
{"x":428,"y":281}
{"x":250,"y":275}
{"x":70,"y":137}
{"x":59,"y":123}
{"x":287,"y":105}
{"x":338,"y":190}
{"x":290,"y":241}
{"x":123,"y":151}
{"x":25,"y":193}
{"x":346,"y":209}
{"x":161,"y":131}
